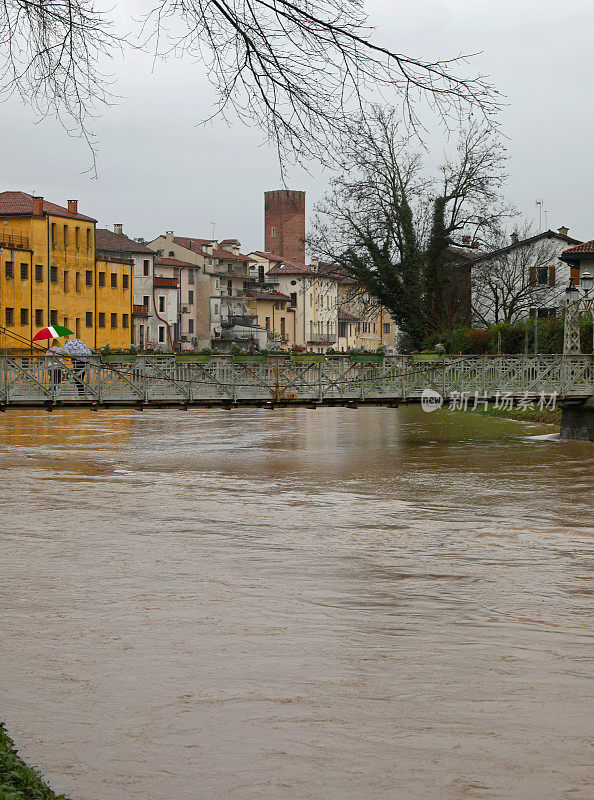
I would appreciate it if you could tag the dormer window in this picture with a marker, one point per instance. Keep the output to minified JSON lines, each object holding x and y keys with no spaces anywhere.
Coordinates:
{"x":171,"y":253}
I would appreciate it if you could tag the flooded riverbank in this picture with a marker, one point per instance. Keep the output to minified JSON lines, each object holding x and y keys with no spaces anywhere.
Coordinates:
{"x":336,"y":603}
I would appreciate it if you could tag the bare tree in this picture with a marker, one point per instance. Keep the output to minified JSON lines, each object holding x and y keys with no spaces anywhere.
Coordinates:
{"x":513,"y":279}
{"x":295,"y":68}
{"x":392,"y":227}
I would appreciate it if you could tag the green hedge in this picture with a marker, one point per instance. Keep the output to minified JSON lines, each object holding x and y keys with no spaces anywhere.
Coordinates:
{"x":17,"y":780}
{"x":513,"y":338}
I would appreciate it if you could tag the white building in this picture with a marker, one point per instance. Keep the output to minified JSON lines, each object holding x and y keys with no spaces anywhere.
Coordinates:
{"x":155,"y":312}
{"x":521,"y":279}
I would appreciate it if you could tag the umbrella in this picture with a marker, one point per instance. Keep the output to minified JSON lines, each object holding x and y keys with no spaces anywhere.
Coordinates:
{"x":53,"y":332}
{"x":76,"y":347}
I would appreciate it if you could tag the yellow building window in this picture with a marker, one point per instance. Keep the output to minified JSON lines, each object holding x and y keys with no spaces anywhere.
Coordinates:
{"x":38,"y":273}
{"x":89,"y":278}
{"x":24,"y":316}
{"x":53,"y":276}
{"x":114,"y":280}
{"x":9,"y":270}
{"x":65,"y":280}
{"x":125,"y":281}
{"x":54,"y":316}
{"x":53,"y":235}
{"x":39,"y":317}
{"x":102,"y":279}
{"x":9,"y":316}
{"x":76,"y":237}
{"x":125,"y":322}
{"x":24,"y":272}
{"x":114,"y":320}
{"x":89,"y":319}
{"x":77,"y":281}
{"x":101,"y":320}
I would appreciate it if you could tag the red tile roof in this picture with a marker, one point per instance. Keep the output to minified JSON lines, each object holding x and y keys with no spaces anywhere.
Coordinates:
{"x":160,"y":261}
{"x":199,"y":246}
{"x":586,"y":247}
{"x":269,"y":296}
{"x":118,"y":243}
{"x":288,"y":267}
{"x":347,"y":317}
{"x":21,"y":203}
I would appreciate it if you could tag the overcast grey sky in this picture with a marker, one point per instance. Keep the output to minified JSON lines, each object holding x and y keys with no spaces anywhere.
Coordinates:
{"x":160,"y":171}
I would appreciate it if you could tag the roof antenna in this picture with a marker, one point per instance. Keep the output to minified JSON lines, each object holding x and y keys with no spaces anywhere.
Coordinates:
{"x":540,"y":204}
{"x":213,"y":230}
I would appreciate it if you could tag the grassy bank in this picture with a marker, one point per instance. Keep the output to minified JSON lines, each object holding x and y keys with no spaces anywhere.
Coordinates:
{"x":546,"y":416}
{"x":17,"y":780}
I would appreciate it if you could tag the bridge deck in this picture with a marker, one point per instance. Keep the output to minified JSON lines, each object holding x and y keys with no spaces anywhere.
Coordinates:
{"x":37,"y":380}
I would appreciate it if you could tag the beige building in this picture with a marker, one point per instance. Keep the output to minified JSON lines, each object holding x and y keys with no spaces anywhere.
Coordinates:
{"x":312,"y":294}
{"x":363,"y":324}
{"x":213,"y":278}
{"x":276,"y":315}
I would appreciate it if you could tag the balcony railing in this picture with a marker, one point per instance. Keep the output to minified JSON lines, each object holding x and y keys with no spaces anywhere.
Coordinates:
{"x":14,"y":240}
{"x":315,"y":337}
{"x":230,"y":336}
{"x":165,"y":283}
{"x":140,"y":311}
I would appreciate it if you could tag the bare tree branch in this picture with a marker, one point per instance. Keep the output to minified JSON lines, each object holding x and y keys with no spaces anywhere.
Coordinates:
{"x":295,"y":68}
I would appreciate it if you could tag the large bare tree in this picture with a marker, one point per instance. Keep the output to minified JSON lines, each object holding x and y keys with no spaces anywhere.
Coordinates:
{"x":392,"y":225}
{"x":296,"y":68}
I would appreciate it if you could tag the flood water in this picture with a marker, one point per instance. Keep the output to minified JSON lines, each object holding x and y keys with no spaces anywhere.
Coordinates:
{"x":371,"y":604}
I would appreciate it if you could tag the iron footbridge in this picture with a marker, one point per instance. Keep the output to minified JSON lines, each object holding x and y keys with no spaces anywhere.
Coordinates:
{"x":161,"y":380}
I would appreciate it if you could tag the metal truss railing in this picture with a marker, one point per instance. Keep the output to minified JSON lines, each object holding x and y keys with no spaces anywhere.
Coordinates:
{"x":39,"y":379}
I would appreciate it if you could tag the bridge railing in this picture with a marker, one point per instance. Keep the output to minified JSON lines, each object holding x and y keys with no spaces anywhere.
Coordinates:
{"x":35,"y":379}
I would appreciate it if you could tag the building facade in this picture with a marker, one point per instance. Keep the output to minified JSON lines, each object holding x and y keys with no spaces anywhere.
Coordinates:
{"x":50,"y":275}
{"x":523,"y":279}
{"x":214,"y":279}
{"x":155,"y":298}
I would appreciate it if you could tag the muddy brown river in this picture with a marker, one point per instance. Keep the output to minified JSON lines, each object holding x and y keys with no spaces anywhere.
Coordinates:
{"x":371,"y":604}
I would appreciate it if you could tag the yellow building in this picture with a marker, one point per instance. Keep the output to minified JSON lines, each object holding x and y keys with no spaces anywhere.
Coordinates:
{"x":276,"y":314}
{"x":362,"y":322}
{"x":49,"y":275}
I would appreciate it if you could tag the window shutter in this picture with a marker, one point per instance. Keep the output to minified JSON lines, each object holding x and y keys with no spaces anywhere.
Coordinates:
{"x":551,"y":276}
{"x":532,"y":274}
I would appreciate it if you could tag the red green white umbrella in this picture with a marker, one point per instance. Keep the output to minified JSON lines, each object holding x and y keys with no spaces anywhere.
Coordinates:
{"x":52,"y":332}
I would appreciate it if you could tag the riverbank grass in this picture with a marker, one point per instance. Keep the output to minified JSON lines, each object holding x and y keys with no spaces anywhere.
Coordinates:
{"x":545,"y":416}
{"x":17,"y":780}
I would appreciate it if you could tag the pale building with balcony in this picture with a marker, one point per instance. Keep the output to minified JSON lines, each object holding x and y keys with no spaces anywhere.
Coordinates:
{"x":213,"y":279}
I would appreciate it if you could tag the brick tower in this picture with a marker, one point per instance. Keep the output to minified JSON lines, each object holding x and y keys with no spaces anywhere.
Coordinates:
{"x":284,"y":224}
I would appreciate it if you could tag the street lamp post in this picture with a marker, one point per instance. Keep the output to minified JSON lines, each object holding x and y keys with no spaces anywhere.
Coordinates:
{"x":578,"y":302}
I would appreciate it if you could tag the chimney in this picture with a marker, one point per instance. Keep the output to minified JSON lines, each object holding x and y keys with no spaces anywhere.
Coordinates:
{"x":514,"y":238}
{"x":315,"y":261}
{"x":73,"y":206}
{"x":38,"y":206}
{"x":117,"y":228}
{"x":563,"y":231}
{"x":208,"y":248}
{"x":169,"y":236}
